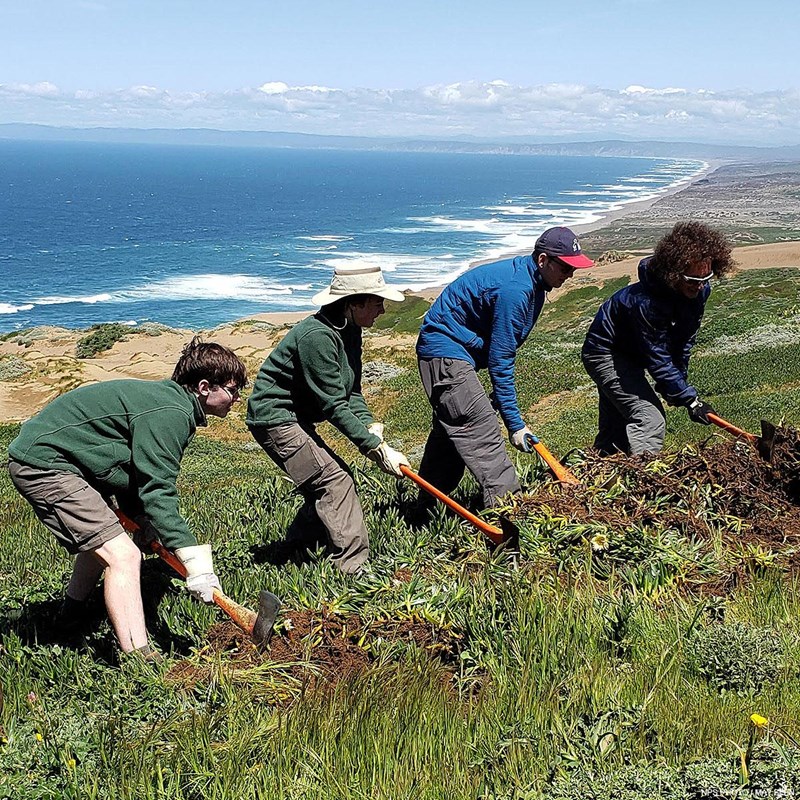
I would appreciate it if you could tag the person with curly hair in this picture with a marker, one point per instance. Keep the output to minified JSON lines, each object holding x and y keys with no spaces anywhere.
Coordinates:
{"x":651,"y":327}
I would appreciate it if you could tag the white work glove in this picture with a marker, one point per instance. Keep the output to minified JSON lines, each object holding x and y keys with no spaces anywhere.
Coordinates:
{"x":388,"y":459}
{"x":524,"y":440}
{"x":200,"y":578}
{"x":376,"y":428}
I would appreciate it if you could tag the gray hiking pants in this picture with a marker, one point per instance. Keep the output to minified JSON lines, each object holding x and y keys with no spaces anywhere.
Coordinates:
{"x":331,"y":511}
{"x":465,"y":432}
{"x":631,"y":418}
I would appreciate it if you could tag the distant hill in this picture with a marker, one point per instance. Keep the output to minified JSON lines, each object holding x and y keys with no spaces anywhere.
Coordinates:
{"x":516,"y":146}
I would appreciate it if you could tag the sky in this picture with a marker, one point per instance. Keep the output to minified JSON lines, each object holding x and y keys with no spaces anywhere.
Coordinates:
{"x":721,"y":71}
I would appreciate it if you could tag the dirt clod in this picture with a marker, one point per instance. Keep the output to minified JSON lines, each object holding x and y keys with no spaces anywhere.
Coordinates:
{"x":315,"y":644}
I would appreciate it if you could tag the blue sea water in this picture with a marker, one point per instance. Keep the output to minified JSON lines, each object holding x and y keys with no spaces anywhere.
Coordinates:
{"x":196,"y":236}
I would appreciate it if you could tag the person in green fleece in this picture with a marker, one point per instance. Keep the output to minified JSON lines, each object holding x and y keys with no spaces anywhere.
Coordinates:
{"x":125,"y":439}
{"x":314,"y":375}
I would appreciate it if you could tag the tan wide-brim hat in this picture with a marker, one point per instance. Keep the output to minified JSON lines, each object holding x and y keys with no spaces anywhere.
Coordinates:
{"x":348,"y":281}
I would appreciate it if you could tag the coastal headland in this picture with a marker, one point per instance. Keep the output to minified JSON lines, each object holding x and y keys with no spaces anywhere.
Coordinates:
{"x":756,"y":205}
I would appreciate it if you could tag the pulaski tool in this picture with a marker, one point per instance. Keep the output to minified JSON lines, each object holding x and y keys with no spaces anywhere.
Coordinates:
{"x":258,"y":625}
{"x":492,"y":532}
{"x":763,"y":443}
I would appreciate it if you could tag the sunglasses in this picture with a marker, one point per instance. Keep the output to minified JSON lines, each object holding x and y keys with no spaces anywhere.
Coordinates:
{"x":693,"y":279}
{"x":231,"y":391}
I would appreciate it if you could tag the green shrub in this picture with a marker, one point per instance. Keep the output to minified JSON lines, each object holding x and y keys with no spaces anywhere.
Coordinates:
{"x":12,"y":367}
{"x":101,"y":337}
{"x":736,"y":658}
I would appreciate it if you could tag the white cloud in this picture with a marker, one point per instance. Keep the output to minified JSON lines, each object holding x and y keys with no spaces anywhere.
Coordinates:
{"x":32,"y":90}
{"x":486,"y":109}
{"x":276,"y":87}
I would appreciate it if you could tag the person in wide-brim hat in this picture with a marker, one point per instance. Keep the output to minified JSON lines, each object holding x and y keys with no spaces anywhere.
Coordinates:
{"x":313,"y":376}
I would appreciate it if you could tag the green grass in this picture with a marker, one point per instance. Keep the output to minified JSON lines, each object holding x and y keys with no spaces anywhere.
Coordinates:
{"x":403,"y":317}
{"x":571,"y":681}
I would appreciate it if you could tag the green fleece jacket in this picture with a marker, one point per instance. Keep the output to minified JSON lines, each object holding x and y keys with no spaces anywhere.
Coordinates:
{"x":125,"y":438}
{"x":314,"y":375}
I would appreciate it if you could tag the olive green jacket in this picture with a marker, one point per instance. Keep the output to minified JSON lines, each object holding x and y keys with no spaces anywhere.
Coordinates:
{"x":314,"y":375}
{"x":125,"y":438}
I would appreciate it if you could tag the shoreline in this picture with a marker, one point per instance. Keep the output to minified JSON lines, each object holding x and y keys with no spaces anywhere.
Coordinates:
{"x":750,"y":203}
{"x":683,"y":172}
{"x":626,"y":209}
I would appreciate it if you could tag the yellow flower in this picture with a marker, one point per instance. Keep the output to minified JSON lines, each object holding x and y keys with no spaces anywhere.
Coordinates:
{"x":759,"y":721}
{"x":39,"y":736}
{"x":71,"y":763}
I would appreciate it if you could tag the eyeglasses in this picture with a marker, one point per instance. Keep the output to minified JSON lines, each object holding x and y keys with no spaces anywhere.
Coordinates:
{"x":231,"y":391}
{"x":562,"y":265}
{"x":694,"y":279}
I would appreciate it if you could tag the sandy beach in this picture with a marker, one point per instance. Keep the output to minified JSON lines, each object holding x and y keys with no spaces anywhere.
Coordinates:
{"x":751,"y":203}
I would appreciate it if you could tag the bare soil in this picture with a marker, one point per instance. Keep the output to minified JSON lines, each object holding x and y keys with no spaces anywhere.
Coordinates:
{"x":314,"y":645}
{"x":674,"y":491}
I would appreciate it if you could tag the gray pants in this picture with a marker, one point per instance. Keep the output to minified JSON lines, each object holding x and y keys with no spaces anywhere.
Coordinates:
{"x":631,"y":418}
{"x":331,"y":511}
{"x":465,"y":432}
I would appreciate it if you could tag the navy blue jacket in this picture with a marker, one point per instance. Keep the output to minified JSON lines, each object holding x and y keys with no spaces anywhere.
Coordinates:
{"x":654,"y":326}
{"x":483,"y":317}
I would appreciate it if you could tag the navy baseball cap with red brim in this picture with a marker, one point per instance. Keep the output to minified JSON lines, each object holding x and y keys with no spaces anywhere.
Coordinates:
{"x":563,"y":244}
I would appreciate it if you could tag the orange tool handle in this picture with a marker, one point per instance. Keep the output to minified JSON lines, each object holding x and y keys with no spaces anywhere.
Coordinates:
{"x":494,"y":533}
{"x":727,"y":426}
{"x":244,"y":617}
{"x":556,"y":467}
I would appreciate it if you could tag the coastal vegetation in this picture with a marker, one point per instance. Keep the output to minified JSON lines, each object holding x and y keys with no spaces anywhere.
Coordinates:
{"x":645,"y":641}
{"x":101,"y":337}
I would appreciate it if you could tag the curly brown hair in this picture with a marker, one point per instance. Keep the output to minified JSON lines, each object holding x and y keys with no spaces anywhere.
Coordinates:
{"x":210,"y":361}
{"x":686,"y":244}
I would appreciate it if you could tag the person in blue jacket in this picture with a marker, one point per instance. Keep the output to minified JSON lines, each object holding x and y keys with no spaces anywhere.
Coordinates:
{"x":651,"y":327}
{"x":480,"y":321}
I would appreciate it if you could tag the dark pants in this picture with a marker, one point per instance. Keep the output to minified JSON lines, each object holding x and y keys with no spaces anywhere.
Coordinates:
{"x":331,"y":511}
{"x":465,"y":432}
{"x":631,"y":417}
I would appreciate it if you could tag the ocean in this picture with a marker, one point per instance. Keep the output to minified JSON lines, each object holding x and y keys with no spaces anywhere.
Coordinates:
{"x":196,"y":236}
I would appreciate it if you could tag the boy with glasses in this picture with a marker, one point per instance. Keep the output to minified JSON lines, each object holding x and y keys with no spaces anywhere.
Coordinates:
{"x":124,"y":439}
{"x":651,"y":327}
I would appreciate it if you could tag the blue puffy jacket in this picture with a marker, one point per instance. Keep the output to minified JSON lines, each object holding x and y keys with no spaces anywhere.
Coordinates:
{"x":654,"y":326}
{"x":483,"y":317}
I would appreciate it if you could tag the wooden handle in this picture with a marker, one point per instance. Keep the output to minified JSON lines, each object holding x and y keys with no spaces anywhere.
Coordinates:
{"x":727,"y":426}
{"x":494,"y":533}
{"x":244,"y":617}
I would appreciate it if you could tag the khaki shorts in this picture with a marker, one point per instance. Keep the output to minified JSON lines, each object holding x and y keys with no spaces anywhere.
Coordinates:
{"x":73,"y":510}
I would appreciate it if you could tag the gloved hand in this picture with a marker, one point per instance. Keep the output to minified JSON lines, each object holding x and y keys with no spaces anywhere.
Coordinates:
{"x":200,"y":578}
{"x":376,"y":428}
{"x":699,"y":411}
{"x":524,"y":440}
{"x":388,"y":459}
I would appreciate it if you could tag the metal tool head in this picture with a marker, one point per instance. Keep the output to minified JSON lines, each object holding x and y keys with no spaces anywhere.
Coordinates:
{"x":268,"y":607}
{"x":766,"y":441}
